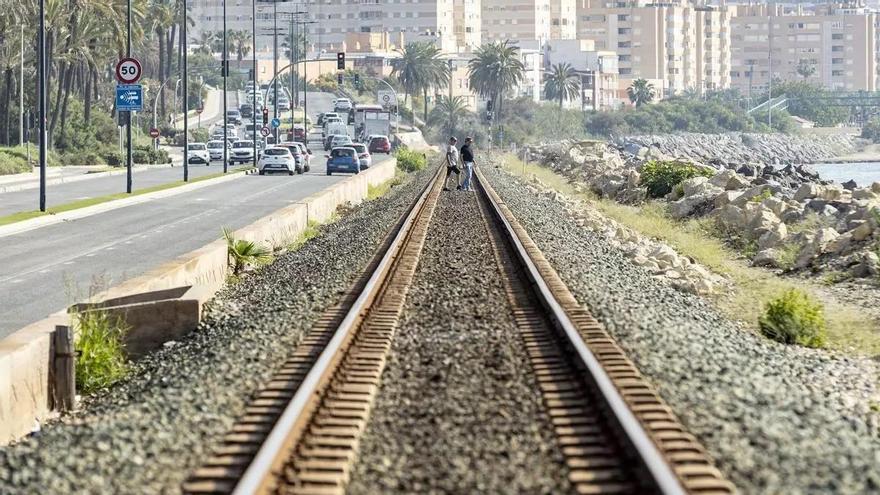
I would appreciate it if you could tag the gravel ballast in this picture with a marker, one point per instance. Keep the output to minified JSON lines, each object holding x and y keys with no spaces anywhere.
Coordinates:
{"x":777,"y":418}
{"x":147,"y":433}
{"x":458,"y":410}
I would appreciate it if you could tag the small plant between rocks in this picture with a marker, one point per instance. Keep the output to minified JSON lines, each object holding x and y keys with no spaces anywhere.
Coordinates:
{"x":100,"y":360}
{"x":660,"y":177}
{"x":794,"y":318}
{"x":242,"y":253}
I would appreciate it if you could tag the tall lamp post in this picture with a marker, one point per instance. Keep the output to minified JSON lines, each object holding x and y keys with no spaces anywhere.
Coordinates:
{"x":42,"y":98}
{"x":256,"y":87}
{"x":184,"y":41}
{"x":225,"y":74}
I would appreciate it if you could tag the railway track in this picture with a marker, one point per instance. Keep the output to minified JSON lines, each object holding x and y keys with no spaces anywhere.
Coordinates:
{"x":301,"y":433}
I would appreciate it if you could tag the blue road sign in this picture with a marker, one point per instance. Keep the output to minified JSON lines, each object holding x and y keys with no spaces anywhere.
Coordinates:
{"x":276,"y":123}
{"x":129,"y":97}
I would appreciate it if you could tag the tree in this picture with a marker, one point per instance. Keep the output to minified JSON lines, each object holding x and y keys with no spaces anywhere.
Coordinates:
{"x":494,"y":70}
{"x":641,"y":92}
{"x":447,"y":114}
{"x":809,"y":101}
{"x":418,"y":69}
{"x":561,"y":83}
{"x":806,"y":68}
{"x":240,"y":43}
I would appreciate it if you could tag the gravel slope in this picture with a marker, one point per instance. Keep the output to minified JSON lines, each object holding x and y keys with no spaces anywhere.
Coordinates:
{"x":458,"y":410}
{"x":778,"y":419}
{"x":147,"y":433}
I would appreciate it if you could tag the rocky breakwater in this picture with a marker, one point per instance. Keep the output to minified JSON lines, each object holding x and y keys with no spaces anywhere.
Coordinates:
{"x":735,"y":150}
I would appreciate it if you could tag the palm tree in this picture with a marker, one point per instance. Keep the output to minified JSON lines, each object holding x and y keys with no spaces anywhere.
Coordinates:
{"x":205,"y":40}
{"x":562,"y":83}
{"x":240,"y":43}
{"x":413,"y":68}
{"x":641,"y":92}
{"x":495,"y":70}
{"x":447,"y":113}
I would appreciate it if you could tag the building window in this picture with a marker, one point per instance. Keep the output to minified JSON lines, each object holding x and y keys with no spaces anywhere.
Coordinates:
{"x":837,"y":73}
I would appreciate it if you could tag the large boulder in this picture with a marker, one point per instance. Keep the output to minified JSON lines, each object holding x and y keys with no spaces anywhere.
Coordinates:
{"x":729,"y":180}
{"x":807,"y":191}
{"x":761,"y":221}
{"x":773,"y":237}
{"x":696,"y":204}
{"x":731,"y":218}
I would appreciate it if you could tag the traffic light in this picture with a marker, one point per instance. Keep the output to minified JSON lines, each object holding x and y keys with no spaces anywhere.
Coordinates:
{"x":265,"y":116}
{"x":339,"y":79}
{"x":340,"y":60}
{"x":489,"y":106}
{"x":357,"y":80}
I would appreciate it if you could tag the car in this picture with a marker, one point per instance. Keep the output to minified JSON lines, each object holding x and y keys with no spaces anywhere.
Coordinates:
{"x":298,"y":133}
{"x":217,"y":133}
{"x":233,"y":116}
{"x":297,"y":153}
{"x":340,"y":140}
{"x":342,"y":105}
{"x":277,"y":159}
{"x":307,"y":155}
{"x":215,"y":149}
{"x":379,"y":144}
{"x":242,"y":152}
{"x":334,"y":127}
{"x":247,"y":110}
{"x":363,"y":155}
{"x":198,"y":153}
{"x":343,"y":159}
{"x":322,"y":117}
{"x":249,"y":131}
{"x":283,"y":103}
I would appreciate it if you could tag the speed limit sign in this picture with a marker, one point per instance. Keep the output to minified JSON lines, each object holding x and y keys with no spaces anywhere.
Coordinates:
{"x":128,"y":70}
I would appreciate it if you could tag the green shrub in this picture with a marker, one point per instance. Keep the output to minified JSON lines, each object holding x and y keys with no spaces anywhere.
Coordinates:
{"x":794,"y":318}
{"x":410,"y":161}
{"x":242,"y":253}
{"x":113,"y":157}
{"x":100,"y":358}
{"x":199,"y":135}
{"x":10,"y":164}
{"x":661,"y":176}
{"x":84,"y":157}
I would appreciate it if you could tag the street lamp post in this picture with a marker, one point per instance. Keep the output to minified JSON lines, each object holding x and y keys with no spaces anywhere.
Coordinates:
{"x":184,"y":42}
{"x":225,"y":74}
{"x":42,"y":98}
{"x":256,"y":88}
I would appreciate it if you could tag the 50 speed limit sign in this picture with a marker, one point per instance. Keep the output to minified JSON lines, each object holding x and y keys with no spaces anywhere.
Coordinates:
{"x":128,"y":71}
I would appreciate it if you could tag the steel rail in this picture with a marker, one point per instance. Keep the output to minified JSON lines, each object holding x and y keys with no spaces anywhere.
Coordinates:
{"x":260,"y":468}
{"x":655,"y":463}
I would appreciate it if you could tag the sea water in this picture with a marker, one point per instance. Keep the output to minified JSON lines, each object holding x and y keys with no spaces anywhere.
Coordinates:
{"x":864,"y":173}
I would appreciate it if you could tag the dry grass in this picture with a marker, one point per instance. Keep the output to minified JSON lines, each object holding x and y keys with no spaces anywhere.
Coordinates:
{"x":849,"y":328}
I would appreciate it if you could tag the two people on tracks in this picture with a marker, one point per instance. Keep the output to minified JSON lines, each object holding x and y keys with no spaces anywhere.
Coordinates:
{"x":453,"y":156}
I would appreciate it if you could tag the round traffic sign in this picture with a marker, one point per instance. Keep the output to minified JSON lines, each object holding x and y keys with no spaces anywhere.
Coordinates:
{"x":154,"y":133}
{"x":386,"y":98}
{"x":199,"y":110}
{"x":128,"y":70}
{"x":264,"y":131}
{"x":276,"y":123}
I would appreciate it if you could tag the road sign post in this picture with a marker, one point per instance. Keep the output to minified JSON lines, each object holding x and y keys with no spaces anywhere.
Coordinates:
{"x":129,"y":96}
{"x":265,"y":131}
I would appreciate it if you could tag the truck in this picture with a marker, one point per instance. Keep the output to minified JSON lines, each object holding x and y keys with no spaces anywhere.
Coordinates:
{"x":374,"y":127}
{"x":336,"y":128}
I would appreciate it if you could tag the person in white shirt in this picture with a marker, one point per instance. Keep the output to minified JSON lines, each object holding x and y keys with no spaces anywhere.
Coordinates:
{"x":452,"y":164}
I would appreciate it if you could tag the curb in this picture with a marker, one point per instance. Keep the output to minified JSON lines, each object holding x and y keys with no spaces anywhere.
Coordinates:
{"x":51,"y":219}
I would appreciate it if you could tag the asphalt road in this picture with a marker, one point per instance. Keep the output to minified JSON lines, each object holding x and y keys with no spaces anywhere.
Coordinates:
{"x":46,"y":269}
{"x":59,"y":194}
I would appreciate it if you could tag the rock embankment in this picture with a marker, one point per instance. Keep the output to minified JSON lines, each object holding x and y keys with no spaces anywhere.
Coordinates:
{"x":779,"y":217}
{"x":739,"y":148}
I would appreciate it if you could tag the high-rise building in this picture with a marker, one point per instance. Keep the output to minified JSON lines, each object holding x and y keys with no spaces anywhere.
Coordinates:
{"x":684,"y":45}
{"x":834,"y":45}
{"x":528,"y":20}
{"x":453,"y":25}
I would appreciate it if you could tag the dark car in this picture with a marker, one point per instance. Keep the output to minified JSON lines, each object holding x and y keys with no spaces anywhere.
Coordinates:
{"x":247,"y":110}
{"x":343,"y":159}
{"x":298,"y":133}
{"x":380,"y":144}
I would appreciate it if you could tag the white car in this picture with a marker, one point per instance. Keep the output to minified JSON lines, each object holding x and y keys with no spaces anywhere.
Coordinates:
{"x":242,"y":152}
{"x":198,"y":153}
{"x":364,"y":157}
{"x":277,"y":159}
{"x":339,"y":140}
{"x":215,"y":149}
{"x":301,"y":154}
{"x":342,"y":105}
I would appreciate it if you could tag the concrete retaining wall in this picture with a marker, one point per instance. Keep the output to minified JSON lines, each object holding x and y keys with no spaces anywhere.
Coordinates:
{"x":26,"y":356}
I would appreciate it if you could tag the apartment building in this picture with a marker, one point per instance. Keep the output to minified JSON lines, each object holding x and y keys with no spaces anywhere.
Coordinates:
{"x":528,"y":20}
{"x":834,"y":45}
{"x":597,"y":69}
{"x":684,"y":44}
{"x":454,"y":25}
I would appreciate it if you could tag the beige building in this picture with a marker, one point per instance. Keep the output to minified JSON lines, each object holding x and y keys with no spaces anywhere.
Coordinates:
{"x":832,"y":45}
{"x":685,"y":45}
{"x":597,"y":70}
{"x":528,"y":20}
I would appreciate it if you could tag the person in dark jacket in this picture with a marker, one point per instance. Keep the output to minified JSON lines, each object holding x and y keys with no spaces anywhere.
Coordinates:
{"x":467,"y":158}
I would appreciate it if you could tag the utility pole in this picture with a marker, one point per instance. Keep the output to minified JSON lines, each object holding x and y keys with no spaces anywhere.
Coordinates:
{"x":21,"y":122}
{"x":42,"y":104}
{"x":256,"y":86}
{"x":128,"y":113}
{"x":275,"y":65}
{"x":294,"y":75}
{"x":772,"y":6}
{"x":225,"y":103}
{"x":184,"y":42}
